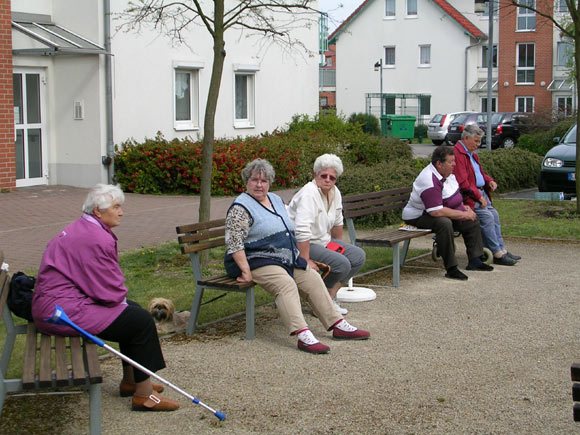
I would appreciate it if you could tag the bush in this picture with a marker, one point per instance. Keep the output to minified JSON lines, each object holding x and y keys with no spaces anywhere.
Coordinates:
{"x":421,"y":131}
{"x":368,"y":123}
{"x":541,"y":141}
{"x":512,"y":169}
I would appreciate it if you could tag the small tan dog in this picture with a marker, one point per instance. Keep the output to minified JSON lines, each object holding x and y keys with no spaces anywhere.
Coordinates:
{"x":166,"y":319}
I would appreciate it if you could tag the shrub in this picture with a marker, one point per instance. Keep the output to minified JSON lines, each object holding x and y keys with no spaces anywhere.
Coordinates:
{"x":421,"y":131}
{"x":512,"y":169}
{"x":540,"y":141}
{"x":368,"y":123}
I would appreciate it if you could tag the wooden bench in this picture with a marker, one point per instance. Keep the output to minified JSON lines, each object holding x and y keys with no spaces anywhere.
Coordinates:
{"x":50,"y":363}
{"x":355,"y":206}
{"x":575,"y":375}
{"x":196,"y":238}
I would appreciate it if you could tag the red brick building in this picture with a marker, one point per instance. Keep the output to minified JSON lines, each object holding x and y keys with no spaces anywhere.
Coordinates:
{"x":531,"y":76}
{"x":7,"y":154}
{"x":327,"y":79}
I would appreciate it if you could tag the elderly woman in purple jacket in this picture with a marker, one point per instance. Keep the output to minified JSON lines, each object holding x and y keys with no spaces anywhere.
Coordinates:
{"x":80,"y":272}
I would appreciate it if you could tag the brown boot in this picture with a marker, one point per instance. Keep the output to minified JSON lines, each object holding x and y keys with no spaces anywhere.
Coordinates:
{"x":126,"y":389}
{"x":153,"y":402}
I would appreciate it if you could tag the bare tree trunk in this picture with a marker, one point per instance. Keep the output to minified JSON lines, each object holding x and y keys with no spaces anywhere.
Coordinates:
{"x":219,"y":54}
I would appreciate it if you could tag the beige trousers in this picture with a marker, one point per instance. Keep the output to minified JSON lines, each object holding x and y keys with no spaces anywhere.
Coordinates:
{"x":287,"y":291}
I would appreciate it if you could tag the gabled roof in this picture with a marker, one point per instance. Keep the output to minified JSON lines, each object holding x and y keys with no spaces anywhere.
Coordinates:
{"x":468,"y":27}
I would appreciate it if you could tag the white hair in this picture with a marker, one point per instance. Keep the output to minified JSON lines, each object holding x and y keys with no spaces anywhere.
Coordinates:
{"x":328,"y":161}
{"x":103,"y":196}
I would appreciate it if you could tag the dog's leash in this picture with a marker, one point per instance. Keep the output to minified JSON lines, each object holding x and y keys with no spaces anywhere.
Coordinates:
{"x":214,"y":299}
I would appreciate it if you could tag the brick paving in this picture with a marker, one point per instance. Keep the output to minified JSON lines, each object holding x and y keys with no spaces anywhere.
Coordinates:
{"x":31,"y":216}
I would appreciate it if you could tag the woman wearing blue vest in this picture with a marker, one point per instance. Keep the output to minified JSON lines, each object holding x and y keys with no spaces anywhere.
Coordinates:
{"x":261,"y":247}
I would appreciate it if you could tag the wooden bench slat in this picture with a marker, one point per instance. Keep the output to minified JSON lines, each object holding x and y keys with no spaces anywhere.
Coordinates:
{"x":29,"y":364}
{"x":92,"y":363}
{"x":61,"y":361}
{"x":204,"y":235}
{"x":196,"y":247}
{"x":190,"y":228}
{"x":362,"y":196}
{"x":380,"y":199}
{"x":4,"y":287}
{"x":77,"y":361}
{"x":45,"y":362}
{"x":371,"y":210}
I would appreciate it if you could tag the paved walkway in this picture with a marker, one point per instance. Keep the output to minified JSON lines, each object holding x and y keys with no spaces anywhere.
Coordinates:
{"x":31,"y":216}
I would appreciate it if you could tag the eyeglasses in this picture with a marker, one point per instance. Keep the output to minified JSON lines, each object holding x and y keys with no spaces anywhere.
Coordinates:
{"x":328,"y":176}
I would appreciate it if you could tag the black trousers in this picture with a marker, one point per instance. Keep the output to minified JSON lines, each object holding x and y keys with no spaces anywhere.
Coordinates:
{"x":443,"y":227}
{"x":136,"y":334}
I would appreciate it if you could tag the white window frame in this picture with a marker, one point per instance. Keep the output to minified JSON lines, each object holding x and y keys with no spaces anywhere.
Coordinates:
{"x":387,"y":64}
{"x":416,"y":12}
{"x":527,"y":100}
{"x":193,"y":70}
{"x":561,"y":45}
{"x":527,"y":17}
{"x":568,"y":108}
{"x":483,"y":104}
{"x":525,"y":67}
{"x":248,"y":71}
{"x":425,"y":48}
{"x":484,"y":56}
{"x":392,"y":15}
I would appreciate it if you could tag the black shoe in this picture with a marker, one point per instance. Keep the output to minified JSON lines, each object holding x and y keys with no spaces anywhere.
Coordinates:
{"x":477,"y":264}
{"x":513,"y":257}
{"x":504,"y":260}
{"x":456,"y":274}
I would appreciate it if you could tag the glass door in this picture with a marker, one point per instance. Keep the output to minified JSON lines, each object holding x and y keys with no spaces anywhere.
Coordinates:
{"x":31,"y":164}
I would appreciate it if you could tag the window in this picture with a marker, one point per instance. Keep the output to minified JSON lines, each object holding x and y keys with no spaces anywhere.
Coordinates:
{"x":323,"y":101}
{"x":425,"y":55}
{"x":524,"y":104}
{"x":390,"y":105}
{"x":563,"y":6}
{"x":526,"y":17}
{"x":425,"y":105}
{"x":484,"y":104}
{"x":484,"y":56}
{"x":495,"y":8}
{"x":244,"y":102}
{"x":389,"y":56}
{"x":186,"y":97}
{"x":565,"y":53}
{"x":328,"y":60}
{"x":412,"y":8}
{"x":525,"y":70}
{"x":389,"y":8}
{"x":565,"y":106}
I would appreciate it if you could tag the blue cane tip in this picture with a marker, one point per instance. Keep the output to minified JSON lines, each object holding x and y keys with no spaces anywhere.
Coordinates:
{"x":195,"y":400}
{"x":220,"y":415}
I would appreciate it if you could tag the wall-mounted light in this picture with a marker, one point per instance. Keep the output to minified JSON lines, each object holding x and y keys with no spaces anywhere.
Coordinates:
{"x":479,"y":6}
{"x":378,"y":65}
{"x":506,"y":84}
{"x":542,"y":83}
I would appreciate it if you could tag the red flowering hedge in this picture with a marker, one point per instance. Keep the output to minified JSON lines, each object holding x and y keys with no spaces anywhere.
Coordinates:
{"x":161,"y":166}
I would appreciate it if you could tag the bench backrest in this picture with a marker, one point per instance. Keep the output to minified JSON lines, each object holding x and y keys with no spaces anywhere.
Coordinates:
{"x":194,"y":238}
{"x":4,"y":285}
{"x":375,"y":202}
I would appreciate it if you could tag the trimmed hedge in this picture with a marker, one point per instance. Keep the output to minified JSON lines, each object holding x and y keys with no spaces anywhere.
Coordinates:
{"x":541,"y":141}
{"x":512,"y":169}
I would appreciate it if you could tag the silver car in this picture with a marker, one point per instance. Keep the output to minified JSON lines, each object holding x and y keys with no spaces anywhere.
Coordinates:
{"x":437,"y":127}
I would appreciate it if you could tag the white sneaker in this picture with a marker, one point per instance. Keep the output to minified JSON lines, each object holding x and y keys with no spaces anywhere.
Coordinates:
{"x":339,"y":309}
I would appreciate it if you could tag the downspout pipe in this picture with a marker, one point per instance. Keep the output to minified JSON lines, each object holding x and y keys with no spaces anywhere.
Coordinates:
{"x":479,"y":41}
{"x":110,"y":158}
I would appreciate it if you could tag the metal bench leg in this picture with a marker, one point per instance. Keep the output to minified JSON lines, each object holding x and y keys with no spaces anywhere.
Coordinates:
{"x":396,"y":265}
{"x":405,"y":250}
{"x":194,"y":313}
{"x":250,"y":314}
{"x":95,"y":409}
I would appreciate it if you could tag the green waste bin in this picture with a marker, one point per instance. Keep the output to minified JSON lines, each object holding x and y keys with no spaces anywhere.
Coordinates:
{"x":401,"y":126}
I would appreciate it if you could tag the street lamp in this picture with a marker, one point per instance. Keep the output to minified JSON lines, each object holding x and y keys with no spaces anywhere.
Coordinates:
{"x":379,"y":67}
{"x":479,"y":8}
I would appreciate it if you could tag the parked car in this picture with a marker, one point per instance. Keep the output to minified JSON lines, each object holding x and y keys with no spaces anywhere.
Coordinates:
{"x":437,"y":127}
{"x":506,"y":129}
{"x":558,"y":172}
{"x":458,"y":124}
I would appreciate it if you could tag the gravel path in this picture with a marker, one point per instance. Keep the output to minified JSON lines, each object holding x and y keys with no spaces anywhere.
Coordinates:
{"x":490,"y":355}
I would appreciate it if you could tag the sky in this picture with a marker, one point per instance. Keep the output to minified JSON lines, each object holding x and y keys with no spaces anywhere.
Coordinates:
{"x":338,"y":10}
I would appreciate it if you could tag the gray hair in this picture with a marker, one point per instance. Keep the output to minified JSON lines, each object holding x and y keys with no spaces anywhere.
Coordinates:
{"x":259,"y":166}
{"x":328,"y":161}
{"x":471,"y":130}
{"x":103,"y":196}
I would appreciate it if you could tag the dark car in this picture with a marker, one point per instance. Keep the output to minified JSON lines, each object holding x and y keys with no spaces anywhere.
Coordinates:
{"x":558,"y":172}
{"x":506,"y":129}
{"x":457,"y":126}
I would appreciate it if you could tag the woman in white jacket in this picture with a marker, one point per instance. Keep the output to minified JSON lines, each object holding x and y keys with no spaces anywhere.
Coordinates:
{"x":316,"y":211}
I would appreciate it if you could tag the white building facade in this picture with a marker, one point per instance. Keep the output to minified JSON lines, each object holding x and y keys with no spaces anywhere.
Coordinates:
{"x":68,"y":118}
{"x":433,"y":48}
